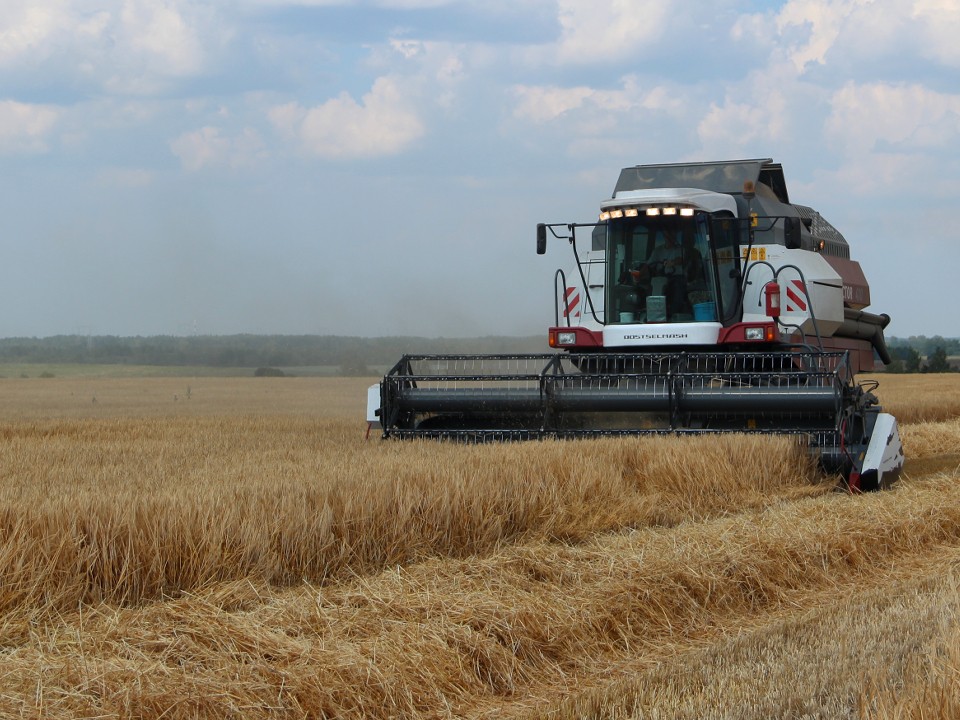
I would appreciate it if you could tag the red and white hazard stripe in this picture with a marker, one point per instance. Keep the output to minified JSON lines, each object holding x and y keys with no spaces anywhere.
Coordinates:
{"x":796,"y":296}
{"x":571,"y":301}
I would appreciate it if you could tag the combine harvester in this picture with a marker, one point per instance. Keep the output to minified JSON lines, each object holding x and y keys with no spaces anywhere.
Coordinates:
{"x":706,"y":302}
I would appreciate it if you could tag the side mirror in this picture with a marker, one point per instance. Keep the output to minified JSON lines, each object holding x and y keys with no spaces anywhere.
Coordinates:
{"x":791,"y":232}
{"x":541,"y":238}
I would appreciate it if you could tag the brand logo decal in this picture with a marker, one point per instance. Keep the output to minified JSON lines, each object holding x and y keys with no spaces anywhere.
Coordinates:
{"x":657,"y":336}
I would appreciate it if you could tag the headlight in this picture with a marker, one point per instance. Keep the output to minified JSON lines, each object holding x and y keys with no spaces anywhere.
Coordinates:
{"x":753,"y":333}
{"x":566,"y":338}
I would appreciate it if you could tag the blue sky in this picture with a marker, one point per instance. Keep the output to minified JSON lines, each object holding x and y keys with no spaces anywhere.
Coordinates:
{"x":378,"y":168}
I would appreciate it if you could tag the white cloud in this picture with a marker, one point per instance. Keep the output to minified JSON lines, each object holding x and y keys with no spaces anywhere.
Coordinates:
{"x":598,"y":125}
{"x":293,"y":3}
{"x":93,"y":26}
{"x":939,"y":22}
{"x":870,"y":138}
{"x":414,"y":4}
{"x":542,"y":104}
{"x":123,"y":46}
{"x":208,"y":147}
{"x":761,"y":117}
{"x":905,"y":117}
{"x":450,"y":70}
{"x":159,"y":34}
{"x":539,"y":104}
{"x":876,"y":174}
{"x":437,"y":67}
{"x":28,"y":28}
{"x":24,"y":128}
{"x":408,"y":49}
{"x":399,"y":4}
{"x":602,"y":30}
{"x":855,"y":33}
{"x":824,"y":20}
{"x":808,"y":33}
{"x":385,"y":122}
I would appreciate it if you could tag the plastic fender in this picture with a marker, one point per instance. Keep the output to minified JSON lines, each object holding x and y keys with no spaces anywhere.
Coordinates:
{"x":373,"y":404}
{"x":883,"y":459}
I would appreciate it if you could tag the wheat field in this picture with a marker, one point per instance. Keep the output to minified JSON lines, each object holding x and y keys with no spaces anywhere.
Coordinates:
{"x":235,"y":548}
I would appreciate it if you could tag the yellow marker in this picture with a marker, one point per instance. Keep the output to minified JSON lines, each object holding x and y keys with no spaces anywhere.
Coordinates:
{"x":753,"y":220}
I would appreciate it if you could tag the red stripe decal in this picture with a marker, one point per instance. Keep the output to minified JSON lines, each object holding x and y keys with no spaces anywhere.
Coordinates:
{"x":795,"y":297}
{"x":570,"y":304}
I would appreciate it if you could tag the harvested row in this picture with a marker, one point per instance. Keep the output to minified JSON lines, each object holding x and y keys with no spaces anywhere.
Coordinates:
{"x":932,"y":687}
{"x":507,"y":633}
{"x":123,"y":511}
{"x":886,"y":649}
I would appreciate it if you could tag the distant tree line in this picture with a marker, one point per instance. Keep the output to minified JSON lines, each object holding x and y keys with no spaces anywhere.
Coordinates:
{"x":349,"y":355}
{"x":922,"y":354}
{"x":926,"y":346}
{"x":352,"y":355}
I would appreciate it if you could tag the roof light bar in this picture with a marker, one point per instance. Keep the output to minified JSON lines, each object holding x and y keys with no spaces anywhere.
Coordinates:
{"x":652,"y":211}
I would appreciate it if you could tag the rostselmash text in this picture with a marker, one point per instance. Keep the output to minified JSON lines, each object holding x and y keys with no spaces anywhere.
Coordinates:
{"x":664,"y":336}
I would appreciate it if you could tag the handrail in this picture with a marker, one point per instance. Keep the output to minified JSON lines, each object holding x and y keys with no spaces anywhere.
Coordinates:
{"x":560,"y":275}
